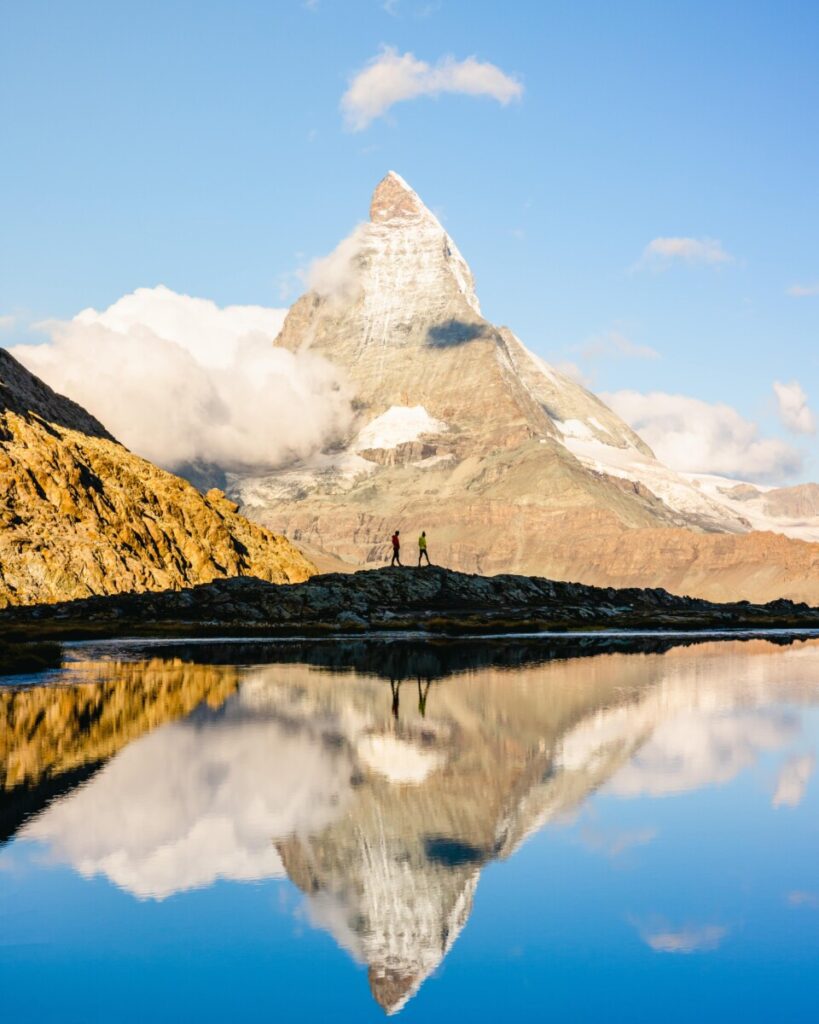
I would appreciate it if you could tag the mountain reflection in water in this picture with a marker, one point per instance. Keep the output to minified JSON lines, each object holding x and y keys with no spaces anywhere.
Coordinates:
{"x":379,"y":778}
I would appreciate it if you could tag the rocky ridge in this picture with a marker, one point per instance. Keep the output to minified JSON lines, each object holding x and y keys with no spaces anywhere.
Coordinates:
{"x":432,"y":599}
{"x":81,"y":515}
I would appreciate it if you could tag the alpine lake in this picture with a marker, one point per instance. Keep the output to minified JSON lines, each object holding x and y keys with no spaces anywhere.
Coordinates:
{"x":606,"y":828}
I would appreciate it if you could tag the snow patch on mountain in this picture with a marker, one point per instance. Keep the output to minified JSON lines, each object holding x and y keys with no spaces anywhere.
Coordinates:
{"x":336,"y":472}
{"x":399,"y":761}
{"x":328,"y":473}
{"x":575,"y":429}
{"x":749,"y":501}
{"x":629,"y":464}
{"x":400,"y":424}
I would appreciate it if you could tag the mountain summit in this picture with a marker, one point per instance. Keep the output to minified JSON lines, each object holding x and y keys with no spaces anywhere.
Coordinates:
{"x":506,"y":463}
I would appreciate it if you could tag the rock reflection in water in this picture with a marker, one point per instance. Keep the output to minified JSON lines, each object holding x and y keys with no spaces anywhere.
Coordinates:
{"x":382,"y":800}
{"x":53,"y":737}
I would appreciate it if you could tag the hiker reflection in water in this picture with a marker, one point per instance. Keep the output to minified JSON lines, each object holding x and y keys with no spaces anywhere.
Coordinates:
{"x":423,"y":693}
{"x":396,"y":548}
{"x":422,"y":548}
{"x":422,"y":696}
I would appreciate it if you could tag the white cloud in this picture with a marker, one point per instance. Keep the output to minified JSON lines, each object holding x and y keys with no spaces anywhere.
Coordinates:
{"x":691,"y":435}
{"x":691,"y":939}
{"x":337,"y":276}
{"x":179,"y":379}
{"x":793,"y":779}
{"x":700,"y":748}
{"x":392,"y":77}
{"x":660,"y":252}
{"x":800,"y":291}
{"x":793,"y":407}
{"x":190,"y":803}
{"x":7,"y":322}
{"x":614,"y":344}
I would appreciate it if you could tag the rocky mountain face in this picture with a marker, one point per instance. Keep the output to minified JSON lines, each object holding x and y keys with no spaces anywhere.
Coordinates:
{"x":81,"y":515}
{"x":505,"y":462}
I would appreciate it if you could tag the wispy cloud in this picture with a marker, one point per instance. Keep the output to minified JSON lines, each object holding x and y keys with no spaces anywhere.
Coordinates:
{"x":337,"y":275}
{"x":7,"y":321}
{"x":801,"y":291}
{"x":615,"y":344}
{"x":618,"y":841}
{"x":803,"y":898}
{"x":794,"y":410}
{"x":392,"y":77}
{"x":662,"y":252}
{"x":690,"y":939}
{"x":793,"y":779}
{"x":573,"y":372}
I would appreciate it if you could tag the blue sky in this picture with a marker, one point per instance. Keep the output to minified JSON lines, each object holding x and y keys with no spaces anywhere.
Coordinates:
{"x":201,"y":145}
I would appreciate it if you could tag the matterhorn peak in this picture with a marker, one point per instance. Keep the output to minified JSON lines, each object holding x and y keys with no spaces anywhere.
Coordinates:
{"x":393,"y":199}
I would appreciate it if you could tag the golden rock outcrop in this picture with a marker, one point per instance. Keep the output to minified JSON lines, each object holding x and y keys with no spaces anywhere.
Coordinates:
{"x":46,"y":731}
{"x":81,"y":515}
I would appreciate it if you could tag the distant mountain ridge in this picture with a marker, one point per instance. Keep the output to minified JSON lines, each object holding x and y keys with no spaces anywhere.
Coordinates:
{"x":81,"y":515}
{"x":508,"y":464}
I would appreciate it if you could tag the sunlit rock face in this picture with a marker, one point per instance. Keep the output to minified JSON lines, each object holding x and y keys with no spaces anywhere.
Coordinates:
{"x":53,"y":737}
{"x":383,"y":801}
{"x":47,"y":731}
{"x":81,"y":515}
{"x":506,"y":463}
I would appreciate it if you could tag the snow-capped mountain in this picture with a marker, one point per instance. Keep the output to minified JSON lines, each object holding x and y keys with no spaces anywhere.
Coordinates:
{"x":462,"y":431}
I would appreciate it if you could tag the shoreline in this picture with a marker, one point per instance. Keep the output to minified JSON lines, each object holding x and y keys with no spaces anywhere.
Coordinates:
{"x":426,"y":605}
{"x":433,"y":601}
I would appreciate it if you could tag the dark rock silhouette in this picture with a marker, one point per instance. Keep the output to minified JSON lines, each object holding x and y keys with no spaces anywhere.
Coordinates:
{"x":433,"y":599}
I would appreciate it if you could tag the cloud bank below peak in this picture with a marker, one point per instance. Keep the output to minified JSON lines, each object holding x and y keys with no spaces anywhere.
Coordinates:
{"x":691,"y":435}
{"x":392,"y":77}
{"x":180,"y":380}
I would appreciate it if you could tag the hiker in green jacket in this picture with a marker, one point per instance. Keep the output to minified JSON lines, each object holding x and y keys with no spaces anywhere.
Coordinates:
{"x":422,"y":548}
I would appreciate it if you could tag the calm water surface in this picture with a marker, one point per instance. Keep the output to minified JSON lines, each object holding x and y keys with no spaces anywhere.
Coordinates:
{"x":464,"y":831}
